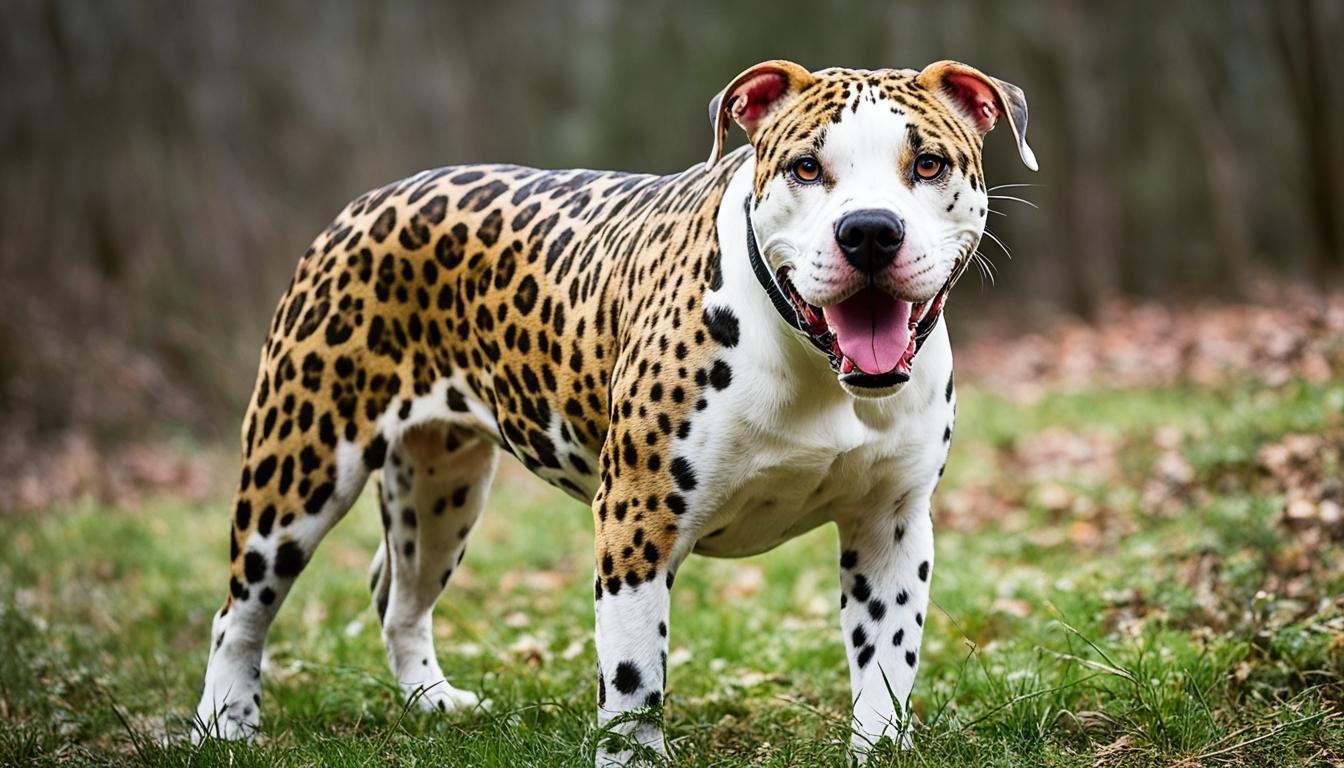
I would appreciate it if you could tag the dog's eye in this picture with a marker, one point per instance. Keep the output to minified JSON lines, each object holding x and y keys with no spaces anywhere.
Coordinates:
{"x":929,"y":167}
{"x":806,"y":169}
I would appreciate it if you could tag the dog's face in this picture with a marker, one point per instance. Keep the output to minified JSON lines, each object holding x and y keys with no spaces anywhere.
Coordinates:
{"x":869,"y":198}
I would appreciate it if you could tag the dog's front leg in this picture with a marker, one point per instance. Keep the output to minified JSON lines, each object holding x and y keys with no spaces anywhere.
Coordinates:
{"x":886,"y":562}
{"x":635,"y":561}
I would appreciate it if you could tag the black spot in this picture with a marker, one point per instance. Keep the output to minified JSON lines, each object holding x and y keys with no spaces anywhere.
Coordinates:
{"x":722,"y":325}
{"x":266,"y":521}
{"x":720,"y":376}
{"x":662,"y":629}
{"x":910,"y":658}
{"x":375,"y":453}
{"x":859,"y":637}
{"x":654,"y":699}
{"x":865,"y":656}
{"x":242,"y":517}
{"x":861,"y":589}
{"x":898,"y":638}
{"x":264,"y":471}
{"x":848,"y":559}
{"x":924,"y":571}
{"x":478,"y":198}
{"x":676,"y":503}
{"x":456,"y":402}
{"x":289,"y":560}
{"x":947,"y":433}
{"x":409,"y":549}
{"x":877,"y":609}
{"x":919,"y":619}
{"x":319,"y":498}
{"x":254,"y":566}
{"x":949,"y":387}
{"x":682,"y":472}
{"x":267,"y":596}
{"x":903,"y":598}
{"x":382,"y":227}
{"x":460,"y":495}
{"x":627,"y":678}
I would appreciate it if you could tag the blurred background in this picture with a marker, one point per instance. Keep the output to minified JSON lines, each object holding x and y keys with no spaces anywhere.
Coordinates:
{"x":164,"y":164}
{"x":1143,"y":512}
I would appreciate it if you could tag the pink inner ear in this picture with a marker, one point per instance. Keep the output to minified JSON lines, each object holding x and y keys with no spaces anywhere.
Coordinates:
{"x":976,"y":98}
{"x":752,"y":99}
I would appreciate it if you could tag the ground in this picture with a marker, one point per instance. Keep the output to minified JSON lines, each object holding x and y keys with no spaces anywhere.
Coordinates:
{"x":1140,"y":562}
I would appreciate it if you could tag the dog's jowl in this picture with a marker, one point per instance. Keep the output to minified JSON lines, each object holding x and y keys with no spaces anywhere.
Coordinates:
{"x":717,"y":361}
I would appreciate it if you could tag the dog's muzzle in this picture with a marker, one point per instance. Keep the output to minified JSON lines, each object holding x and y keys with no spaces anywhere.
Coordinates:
{"x":895,"y":330}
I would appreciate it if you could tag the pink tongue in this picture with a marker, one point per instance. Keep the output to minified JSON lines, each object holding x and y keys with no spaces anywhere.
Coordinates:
{"x":873,"y":329}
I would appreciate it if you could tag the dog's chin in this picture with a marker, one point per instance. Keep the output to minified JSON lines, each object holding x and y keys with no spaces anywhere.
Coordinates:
{"x":870,"y":337}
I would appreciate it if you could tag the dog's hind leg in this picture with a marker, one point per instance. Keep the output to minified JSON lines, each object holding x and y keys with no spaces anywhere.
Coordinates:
{"x":434,"y":486}
{"x":294,"y":487}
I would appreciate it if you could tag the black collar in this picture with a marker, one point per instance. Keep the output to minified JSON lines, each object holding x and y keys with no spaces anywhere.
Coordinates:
{"x":783,"y":305}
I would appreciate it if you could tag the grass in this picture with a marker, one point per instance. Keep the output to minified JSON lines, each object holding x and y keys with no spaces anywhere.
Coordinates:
{"x":1113,"y":627}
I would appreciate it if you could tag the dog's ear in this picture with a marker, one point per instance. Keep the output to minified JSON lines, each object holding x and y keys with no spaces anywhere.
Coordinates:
{"x":981,"y":99}
{"x":751,"y":97}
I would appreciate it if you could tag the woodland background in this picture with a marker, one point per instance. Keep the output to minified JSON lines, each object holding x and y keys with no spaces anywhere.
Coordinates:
{"x":1140,"y":533}
{"x":163,"y":164}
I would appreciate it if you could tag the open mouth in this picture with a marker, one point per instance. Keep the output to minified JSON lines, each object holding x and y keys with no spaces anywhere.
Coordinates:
{"x":871,"y":337}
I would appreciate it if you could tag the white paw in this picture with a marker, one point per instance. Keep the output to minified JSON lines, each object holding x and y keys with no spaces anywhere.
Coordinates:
{"x":440,"y":696}
{"x":860,"y":744}
{"x":231,"y":721}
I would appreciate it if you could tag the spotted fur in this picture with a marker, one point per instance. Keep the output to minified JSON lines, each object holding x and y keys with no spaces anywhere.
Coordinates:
{"x":605,"y":329}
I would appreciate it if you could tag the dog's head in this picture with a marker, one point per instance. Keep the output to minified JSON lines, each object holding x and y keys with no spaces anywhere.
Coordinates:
{"x":869,"y":198}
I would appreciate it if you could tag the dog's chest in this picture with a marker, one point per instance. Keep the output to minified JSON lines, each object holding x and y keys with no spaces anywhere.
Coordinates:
{"x":784,"y":470}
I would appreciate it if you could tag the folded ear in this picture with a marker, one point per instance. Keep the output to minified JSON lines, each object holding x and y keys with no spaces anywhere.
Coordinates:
{"x":981,"y":99}
{"x":751,"y":97}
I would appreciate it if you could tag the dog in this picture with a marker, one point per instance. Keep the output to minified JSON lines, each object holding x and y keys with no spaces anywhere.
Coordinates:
{"x":717,"y":361}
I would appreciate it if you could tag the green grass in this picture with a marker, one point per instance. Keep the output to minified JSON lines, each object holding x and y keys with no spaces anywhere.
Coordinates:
{"x":1110,"y":632}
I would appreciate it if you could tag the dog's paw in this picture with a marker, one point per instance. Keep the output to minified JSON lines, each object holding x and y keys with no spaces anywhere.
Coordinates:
{"x":861,"y":745}
{"x":231,"y":721}
{"x":441,"y":696}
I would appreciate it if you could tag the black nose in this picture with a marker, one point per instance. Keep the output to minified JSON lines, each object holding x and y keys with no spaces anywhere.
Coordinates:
{"x":870,"y":238}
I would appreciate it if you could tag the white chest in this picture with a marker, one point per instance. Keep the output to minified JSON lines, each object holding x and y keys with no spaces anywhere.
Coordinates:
{"x":791,"y":453}
{"x":785,"y":449}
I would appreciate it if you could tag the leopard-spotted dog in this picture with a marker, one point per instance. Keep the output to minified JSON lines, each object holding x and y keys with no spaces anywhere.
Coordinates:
{"x":717,"y":361}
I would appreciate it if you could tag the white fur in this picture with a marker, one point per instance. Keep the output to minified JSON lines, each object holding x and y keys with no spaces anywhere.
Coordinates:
{"x":862,"y":154}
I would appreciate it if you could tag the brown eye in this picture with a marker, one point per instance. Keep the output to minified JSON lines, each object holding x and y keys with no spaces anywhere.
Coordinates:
{"x":806,"y":169}
{"x":929,"y":167}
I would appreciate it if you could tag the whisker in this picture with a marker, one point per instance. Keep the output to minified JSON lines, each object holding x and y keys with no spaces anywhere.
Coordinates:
{"x":1011,"y":186}
{"x":996,"y":239}
{"x":1014,"y":199}
{"x":986,"y":268}
{"x":987,"y":264}
{"x":1001,"y":213}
